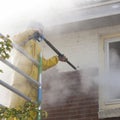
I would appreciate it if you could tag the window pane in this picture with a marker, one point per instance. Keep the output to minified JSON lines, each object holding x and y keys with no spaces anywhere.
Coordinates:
{"x":114,"y":70}
{"x":114,"y":56}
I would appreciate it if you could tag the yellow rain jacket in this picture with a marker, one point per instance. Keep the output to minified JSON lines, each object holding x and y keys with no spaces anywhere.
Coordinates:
{"x":33,"y":48}
{"x":20,"y":82}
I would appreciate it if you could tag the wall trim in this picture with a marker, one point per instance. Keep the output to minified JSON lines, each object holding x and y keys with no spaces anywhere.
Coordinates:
{"x":109,"y":113}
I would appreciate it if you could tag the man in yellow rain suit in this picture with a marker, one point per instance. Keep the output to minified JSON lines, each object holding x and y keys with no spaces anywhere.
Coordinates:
{"x":32,"y":47}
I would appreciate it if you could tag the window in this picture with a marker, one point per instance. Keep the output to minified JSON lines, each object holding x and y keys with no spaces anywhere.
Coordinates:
{"x":109,"y":97}
{"x":113,"y":69}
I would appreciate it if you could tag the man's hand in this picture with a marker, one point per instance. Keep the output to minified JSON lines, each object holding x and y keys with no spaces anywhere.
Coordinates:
{"x":62,"y":58}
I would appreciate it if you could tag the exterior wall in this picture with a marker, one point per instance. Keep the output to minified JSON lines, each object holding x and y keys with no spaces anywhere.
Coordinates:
{"x":78,"y":105}
{"x":81,"y":48}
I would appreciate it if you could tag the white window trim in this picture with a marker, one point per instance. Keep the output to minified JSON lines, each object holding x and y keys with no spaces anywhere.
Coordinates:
{"x":110,"y":108}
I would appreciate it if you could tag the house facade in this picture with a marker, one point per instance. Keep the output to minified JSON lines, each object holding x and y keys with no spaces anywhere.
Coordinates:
{"x":92,"y":95}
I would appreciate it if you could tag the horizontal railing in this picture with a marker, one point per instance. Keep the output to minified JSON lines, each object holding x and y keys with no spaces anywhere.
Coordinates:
{"x":14,"y":90}
{"x":30,"y":79}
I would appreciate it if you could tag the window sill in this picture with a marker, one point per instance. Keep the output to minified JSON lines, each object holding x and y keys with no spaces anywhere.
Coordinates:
{"x":109,"y":113}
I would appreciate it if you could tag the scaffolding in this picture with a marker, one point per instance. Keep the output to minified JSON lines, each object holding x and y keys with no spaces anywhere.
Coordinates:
{"x":30,"y":79}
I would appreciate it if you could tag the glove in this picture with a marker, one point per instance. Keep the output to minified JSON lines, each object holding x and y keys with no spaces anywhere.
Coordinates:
{"x":62,"y":58}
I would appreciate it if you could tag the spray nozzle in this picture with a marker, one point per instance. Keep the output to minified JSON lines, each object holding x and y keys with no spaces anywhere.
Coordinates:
{"x":39,"y":37}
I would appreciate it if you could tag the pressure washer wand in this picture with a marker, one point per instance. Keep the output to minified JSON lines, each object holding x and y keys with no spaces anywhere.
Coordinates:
{"x":58,"y":53}
{"x":38,"y":36}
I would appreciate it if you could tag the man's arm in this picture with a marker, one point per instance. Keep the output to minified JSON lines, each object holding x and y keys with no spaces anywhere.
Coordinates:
{"x":48,"y":63}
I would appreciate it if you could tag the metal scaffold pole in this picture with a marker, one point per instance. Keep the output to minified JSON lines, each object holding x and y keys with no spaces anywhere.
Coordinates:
{"x":39,"y":117}
{"x":20,"y":71}
{"x":15,"y":90}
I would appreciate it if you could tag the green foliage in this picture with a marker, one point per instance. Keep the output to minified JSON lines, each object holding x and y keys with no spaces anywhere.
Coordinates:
{"x":5,"y":47}
{"x":27,"y":112}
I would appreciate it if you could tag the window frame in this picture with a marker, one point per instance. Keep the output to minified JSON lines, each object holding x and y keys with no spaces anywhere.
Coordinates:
{"x":106,"y":108}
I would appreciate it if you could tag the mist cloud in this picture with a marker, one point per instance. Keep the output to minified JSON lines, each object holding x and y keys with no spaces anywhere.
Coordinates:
{"x":21,"y":13}
{"x":58,"y":87}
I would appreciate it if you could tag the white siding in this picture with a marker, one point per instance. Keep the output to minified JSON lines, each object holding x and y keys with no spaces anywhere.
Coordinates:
{"x":81,"y":48}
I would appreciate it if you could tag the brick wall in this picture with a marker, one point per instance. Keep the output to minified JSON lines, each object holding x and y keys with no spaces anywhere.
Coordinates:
{"x":77,"y":105}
